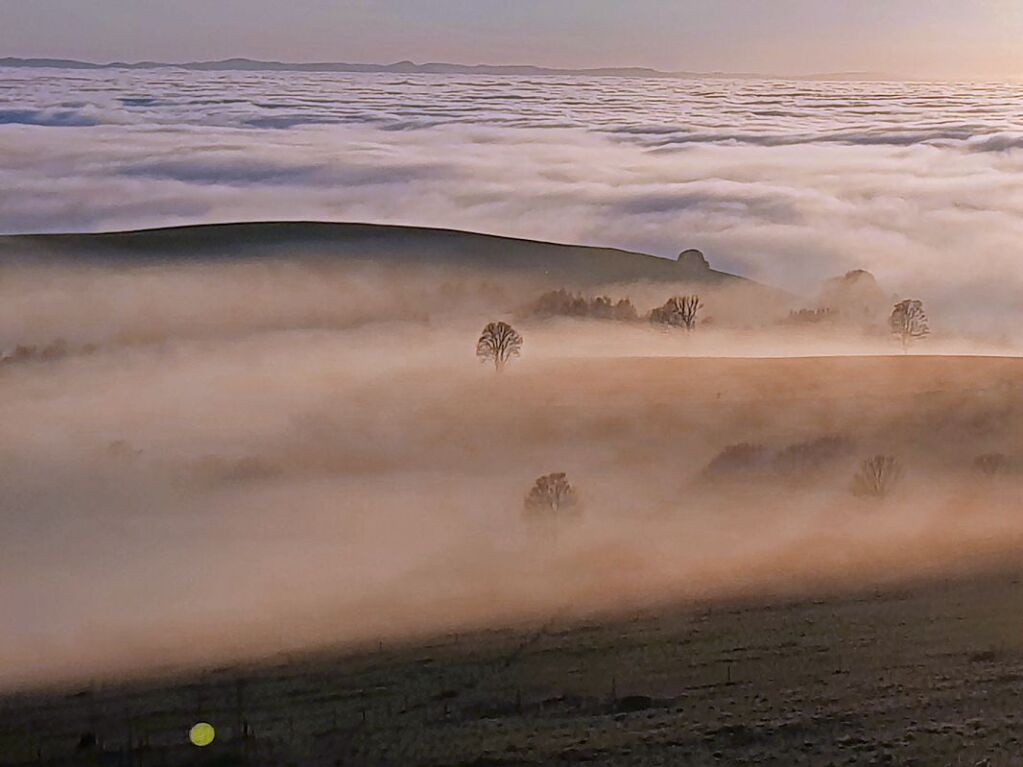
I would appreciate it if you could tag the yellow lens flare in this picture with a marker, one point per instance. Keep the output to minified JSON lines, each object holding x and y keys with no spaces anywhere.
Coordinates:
{"x":202,"y":734}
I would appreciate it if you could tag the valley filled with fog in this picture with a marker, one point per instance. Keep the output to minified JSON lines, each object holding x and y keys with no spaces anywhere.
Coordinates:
{"x":208,"y":461}
{"x":217,"y":456}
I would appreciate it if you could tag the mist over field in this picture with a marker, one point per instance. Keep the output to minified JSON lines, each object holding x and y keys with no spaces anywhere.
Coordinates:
{"x":212,"y":459}
{"x":225,"y":461}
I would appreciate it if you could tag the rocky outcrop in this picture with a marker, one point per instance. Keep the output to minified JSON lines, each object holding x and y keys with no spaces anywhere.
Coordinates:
{"x":694,"y":261}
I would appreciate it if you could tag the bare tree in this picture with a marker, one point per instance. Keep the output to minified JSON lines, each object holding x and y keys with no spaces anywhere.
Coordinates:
{"x":908,"y":322}
{"x":877,"y":476}
{"x":550,"y":500}
{"x":498,"y":344}
{"x":679,"y":311}
{"x":688,"y":308}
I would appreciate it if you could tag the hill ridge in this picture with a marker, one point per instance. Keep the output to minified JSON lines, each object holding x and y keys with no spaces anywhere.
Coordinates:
{"x":393,"y":243}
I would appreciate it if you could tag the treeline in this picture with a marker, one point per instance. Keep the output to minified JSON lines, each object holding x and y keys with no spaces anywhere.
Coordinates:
{"x":812,"y":316}
{"x":55,"y":350}
{"x":677,"y":311}
{"x":561,"y":303}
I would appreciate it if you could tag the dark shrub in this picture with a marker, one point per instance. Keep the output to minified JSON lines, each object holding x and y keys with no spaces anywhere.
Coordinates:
{"x":738,"y":459}
{"x":812,"y":456}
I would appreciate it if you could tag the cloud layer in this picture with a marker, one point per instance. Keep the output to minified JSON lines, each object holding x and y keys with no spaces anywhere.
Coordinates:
{"x":784,"y":182}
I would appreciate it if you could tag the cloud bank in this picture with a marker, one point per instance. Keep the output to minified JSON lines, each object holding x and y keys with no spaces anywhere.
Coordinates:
{"x":784,"y":182}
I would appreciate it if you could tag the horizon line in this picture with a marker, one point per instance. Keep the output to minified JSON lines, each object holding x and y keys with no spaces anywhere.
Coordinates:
{"x":407,"y":66}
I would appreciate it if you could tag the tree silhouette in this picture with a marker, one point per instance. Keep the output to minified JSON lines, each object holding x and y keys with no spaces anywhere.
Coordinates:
{"x":679,"y":311}
{"x":551,"y":499}
{"x":877,"y":476}
{"x":498,"y":343}
{"x":908,"y":322}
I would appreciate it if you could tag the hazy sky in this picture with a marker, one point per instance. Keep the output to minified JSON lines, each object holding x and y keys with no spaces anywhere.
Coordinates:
{"x":936,"y":38}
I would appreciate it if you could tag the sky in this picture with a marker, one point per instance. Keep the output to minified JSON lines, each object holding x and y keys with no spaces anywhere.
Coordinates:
{"x":921,"y":38}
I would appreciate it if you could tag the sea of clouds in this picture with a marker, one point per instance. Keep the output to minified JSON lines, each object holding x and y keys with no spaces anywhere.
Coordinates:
{"x":785,"y":182}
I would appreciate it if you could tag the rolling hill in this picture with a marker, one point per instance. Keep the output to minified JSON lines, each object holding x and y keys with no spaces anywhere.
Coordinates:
{"x":367,"y":242}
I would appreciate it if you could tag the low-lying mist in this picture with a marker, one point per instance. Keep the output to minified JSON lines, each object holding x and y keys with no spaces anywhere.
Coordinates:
{"x":225,"y":461}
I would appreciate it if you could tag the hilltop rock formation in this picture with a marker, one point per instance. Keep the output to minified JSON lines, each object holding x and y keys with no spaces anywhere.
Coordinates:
{"x":694,"y":261}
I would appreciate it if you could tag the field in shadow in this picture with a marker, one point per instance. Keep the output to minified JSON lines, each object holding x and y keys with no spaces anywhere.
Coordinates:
{"x":922,"y":674}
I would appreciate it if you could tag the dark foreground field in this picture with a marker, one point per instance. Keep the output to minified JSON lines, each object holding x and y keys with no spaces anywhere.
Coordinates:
{"x":926,"y":675}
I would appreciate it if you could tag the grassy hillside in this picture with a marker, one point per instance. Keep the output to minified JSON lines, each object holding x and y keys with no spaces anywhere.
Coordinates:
{"x":921,"y":676}
{"x":380,"y":243}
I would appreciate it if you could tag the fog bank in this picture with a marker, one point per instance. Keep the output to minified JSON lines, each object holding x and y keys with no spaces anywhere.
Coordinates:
{"x":227,"y":461}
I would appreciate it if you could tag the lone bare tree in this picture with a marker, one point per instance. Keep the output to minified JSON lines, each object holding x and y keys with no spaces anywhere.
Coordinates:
{"x":498,"y":343}
{"x":877,"y":476}
{"x":908,"y":322}
{"x":679,"y":311}
{"x":550,"y":500}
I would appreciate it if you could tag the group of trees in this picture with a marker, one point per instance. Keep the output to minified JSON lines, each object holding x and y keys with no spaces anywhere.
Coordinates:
{"x":500,"y":342}
{"x":812,"y":316}
{"x":561,"y":303}
{"x":907,"y":321}
{"x":552,"y":498}
{"x":54,"y":351}
{"x":677,"y":311}
{"x":875,"y":476}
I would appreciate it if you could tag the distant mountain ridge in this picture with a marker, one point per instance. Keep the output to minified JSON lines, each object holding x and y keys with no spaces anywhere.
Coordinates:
{"x":410,"y":67}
